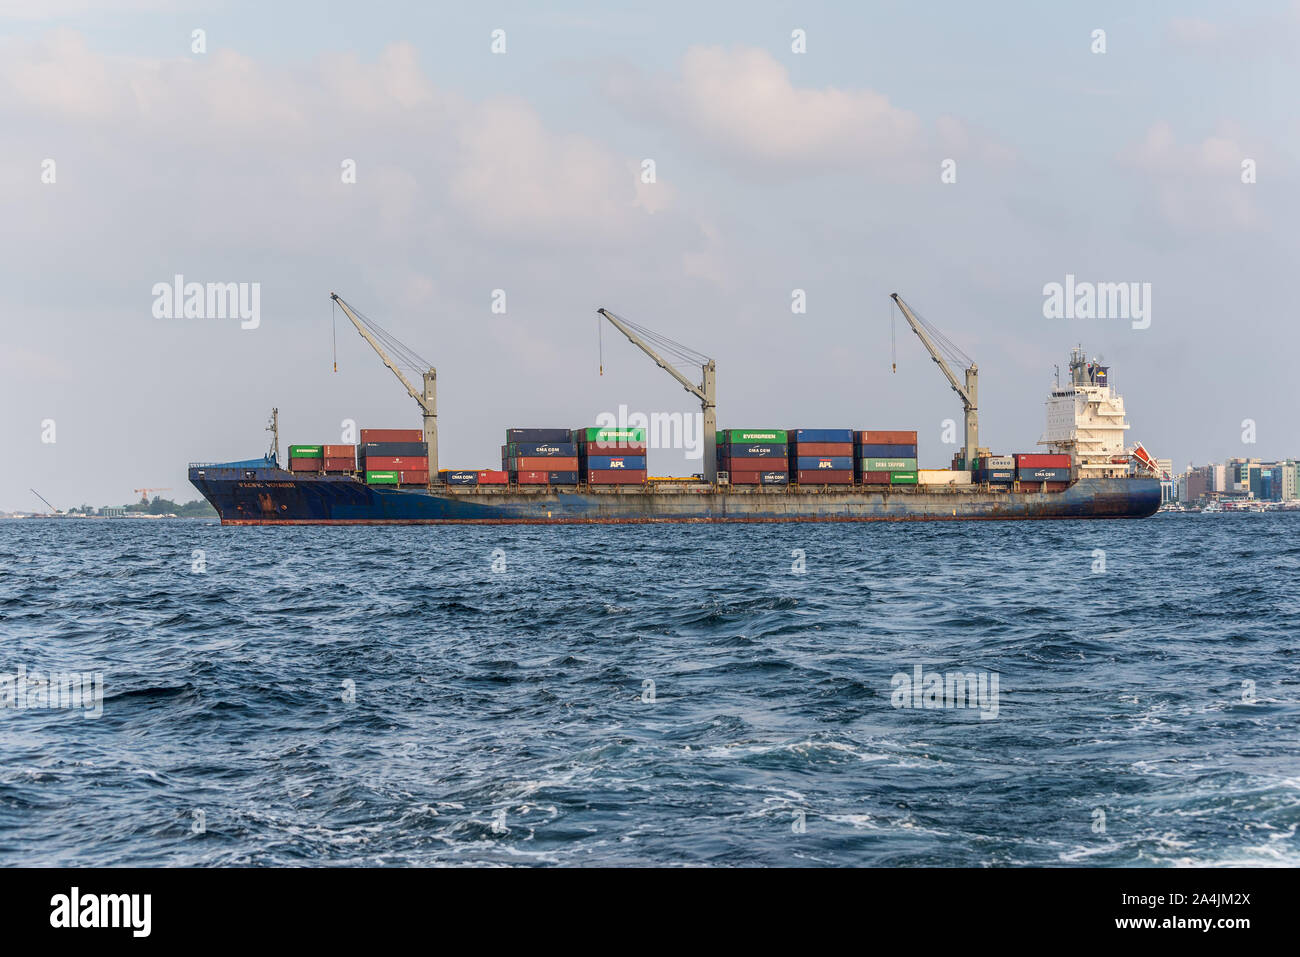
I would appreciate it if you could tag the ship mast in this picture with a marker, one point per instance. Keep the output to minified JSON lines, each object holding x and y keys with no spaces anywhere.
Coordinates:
{"x":427,"y":399}
{"x":706,"y":391}
{"x":934,"y":342}
{"x":273,"y":426}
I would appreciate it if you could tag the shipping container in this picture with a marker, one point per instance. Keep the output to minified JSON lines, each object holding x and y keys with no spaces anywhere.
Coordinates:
{"x":804,"y":449}
{"x":340,"y":451}
{"x":615,"y":477}
{"x":875,"y":478}
{"x":537,"y":435}
{"x":382,"y":478}
{"x":388,"y":462}
{"x":417,"y":477}
{"x":455,"y":477}
{"x":886,"y":438}
{"x":517,"y":449}
{"x":306,"y":465}
{"x":563,"y":477}
{"x":613,"y":448}
{"x":597,"y":463}
{"x":998,"y":462}
{"x":996,"y":476}
{"x":1043,"y":475}
{"x":340,"y":465}
{"x":822,"y":435}
{"x":1055,"y":486}
{"x":544,"y":463}
{"x":902,"y":478}
{"x":824,"y":476}
{"x":391,"y":435}
{"x":760,"y":478}
{"x":530,"y":478}
{"x":1034,"y":460}
{"x":493,"y":477}
{"x":884,"y":451}
{"x":834,"y":463}
{"x":751,"y":463}
{"x":420,"y":449}
{"x":753,"y":450}
{"x":756,"y":436}
{"x":941,"y":477}
{"x":609,"y":436}
{"x":306,"y":452}
{"x":888,"y":465}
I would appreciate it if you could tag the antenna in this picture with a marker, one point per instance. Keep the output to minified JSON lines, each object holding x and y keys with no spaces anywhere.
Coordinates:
{"x":273,"y":426}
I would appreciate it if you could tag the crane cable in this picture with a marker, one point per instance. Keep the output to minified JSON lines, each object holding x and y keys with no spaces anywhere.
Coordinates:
{"x":893,"y":344}
{"x":600,"y":341}
{"x":334,"y":323}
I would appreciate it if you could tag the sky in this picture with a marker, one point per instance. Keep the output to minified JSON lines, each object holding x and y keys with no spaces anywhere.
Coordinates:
{"x":962,"y":155}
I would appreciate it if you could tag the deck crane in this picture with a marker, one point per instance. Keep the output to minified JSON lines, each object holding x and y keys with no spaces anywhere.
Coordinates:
{"x":426,"y":400}
{"x":143,"y":493}
{"x":45,"y":500}
{"x":706,"y":391}
{"x":936,"y":342}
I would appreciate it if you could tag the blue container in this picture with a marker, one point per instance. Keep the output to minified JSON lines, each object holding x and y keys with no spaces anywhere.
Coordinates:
{"x":814,"y":462}
{"x":748,"y":451}
{"x":562,"y":478}
{"x":524,"y":449}
{"x":886,"y":452}
{"x":459,"y":478}
{"x":822,"y":435}
{"x":1044,"y":475}
{"x":413,"y":450}
{"x":774,"y":478}
{"x":537,"y":435}
{"x":996,"y":476}
{"x":631,"y":462}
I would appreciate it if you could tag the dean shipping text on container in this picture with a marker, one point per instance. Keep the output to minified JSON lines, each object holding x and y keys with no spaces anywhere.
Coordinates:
{"x":664,"y":430}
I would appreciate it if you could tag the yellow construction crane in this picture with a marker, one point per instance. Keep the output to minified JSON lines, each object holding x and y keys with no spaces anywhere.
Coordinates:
{"x":144,"y":493}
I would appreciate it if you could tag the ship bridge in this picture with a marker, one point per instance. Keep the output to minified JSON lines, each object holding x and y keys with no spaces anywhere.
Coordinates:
{"x":1086,"y":419}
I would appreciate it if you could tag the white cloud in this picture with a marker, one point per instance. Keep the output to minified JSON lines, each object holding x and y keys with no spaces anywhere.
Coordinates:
{"x":1199,"y":183}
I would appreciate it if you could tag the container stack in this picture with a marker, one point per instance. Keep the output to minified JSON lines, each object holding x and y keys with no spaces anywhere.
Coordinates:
{"x":393,"y":457}
{"x":886,"y":458}
{"x":306,"y":458}
{"x":340,"y":458}
{"x":1050,"y":471}
{"x":821,"y":456}
{"x":540,"y":457}
{"x":609,"y":456}
{"x":754,"y":456}
{"x":996,"y":469}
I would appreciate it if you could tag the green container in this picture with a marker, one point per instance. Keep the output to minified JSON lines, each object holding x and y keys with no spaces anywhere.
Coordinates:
{"x":381,"y":478}
{"x":902,"y":478}
{"x":889,"y":465}
{"x":609,"y":436}
{"x":306,"y":451}
{"x":752,"y":437}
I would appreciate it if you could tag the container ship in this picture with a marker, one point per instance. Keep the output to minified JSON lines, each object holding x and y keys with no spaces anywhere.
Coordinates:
{"x":599,"y":474}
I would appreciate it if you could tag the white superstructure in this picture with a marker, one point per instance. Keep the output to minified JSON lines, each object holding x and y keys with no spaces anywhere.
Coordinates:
{"x":1085,"y":418}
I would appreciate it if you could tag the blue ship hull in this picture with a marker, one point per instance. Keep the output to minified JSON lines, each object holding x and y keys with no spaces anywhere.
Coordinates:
{"x":258,"y":493}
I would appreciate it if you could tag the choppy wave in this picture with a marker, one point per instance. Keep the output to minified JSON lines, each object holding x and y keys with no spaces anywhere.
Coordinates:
{"x":645,"y":695}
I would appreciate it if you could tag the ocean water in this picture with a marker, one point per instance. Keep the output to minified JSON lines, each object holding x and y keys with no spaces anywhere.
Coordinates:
{"x":425,"y":696}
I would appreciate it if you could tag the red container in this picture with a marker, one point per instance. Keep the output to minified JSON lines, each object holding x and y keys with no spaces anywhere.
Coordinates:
{"x":615,"y":448}
{"x":416,"y":477}
{"x":391,"y":435}
{"x":1027,"y":460}
{"x":615,"y":477}
{"x":493,"y":477}
{"x":825,"y":476}
{"x":752,"y":463}
{"x":547,"y":463}
{"x":305,"y":465}
{"x":342,"y":452}
{"x":386,"y":463}
{"x":875,"y":478}
{"x":532,"y":478}
{"x":823,"y":448}
{"x":340,"y":465}
{"x":887,"y":438}
{"x":1055,"y":486}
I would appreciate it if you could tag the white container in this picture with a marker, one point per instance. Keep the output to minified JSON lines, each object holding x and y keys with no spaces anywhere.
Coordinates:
{"x":941,"y":477}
